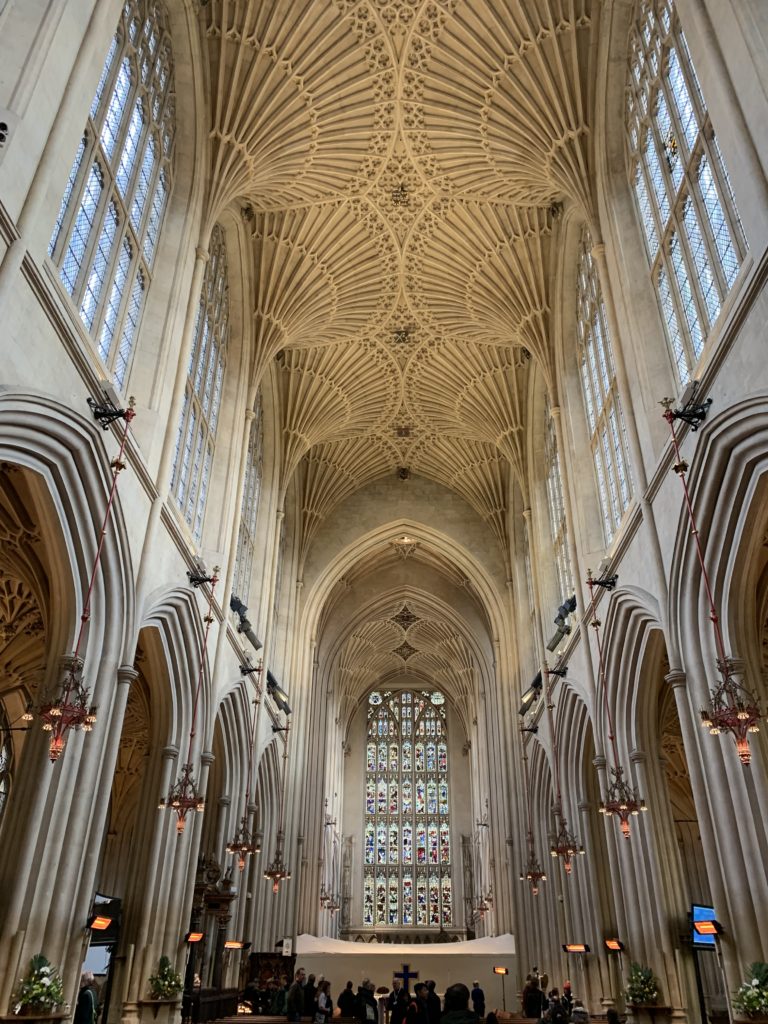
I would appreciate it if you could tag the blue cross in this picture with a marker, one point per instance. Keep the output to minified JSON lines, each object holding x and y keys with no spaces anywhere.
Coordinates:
{"x":406,"y":974}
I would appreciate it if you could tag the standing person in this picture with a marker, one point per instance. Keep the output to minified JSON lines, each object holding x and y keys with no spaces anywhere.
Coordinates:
{"x":294,"y":1000}
{"x":433,"y":1004}
{"x":567,"y":999}
{"x":324,"y":1007}
{"x":346,"y":1001}
{"x":457,"y":1009}
{"x":579,"y":1013}
{"x":367,"y":1010}
{"x":397,"y":1003}
{"x":534,"y":1000}
{"x":87,"y":1000}
{"x":311,"y":992}
{"x":417,"y":1008}
{"x":478,"y":999}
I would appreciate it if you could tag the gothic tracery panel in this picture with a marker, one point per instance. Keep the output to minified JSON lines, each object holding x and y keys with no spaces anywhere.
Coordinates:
{"x":407,"y":812}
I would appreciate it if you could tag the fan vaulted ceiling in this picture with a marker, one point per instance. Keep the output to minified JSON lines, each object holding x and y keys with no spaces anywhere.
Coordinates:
{"x":399,"y":165}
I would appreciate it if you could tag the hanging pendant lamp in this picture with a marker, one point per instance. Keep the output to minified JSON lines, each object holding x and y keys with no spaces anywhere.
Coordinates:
{"x":246,"y":843}
{"x":733,"y":708}
{"x":565,"y":845}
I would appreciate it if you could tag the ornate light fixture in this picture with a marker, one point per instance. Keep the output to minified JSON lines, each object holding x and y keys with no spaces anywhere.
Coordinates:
{"x":565,"y":844}
{"x":183,"y":795}
{"x":277,"y":870}
{"x":244,"y":843}
{"x":532,"y":872}
{"x":73,"y":709}
{"x":620,"y":799}
{"x":733,"y":708}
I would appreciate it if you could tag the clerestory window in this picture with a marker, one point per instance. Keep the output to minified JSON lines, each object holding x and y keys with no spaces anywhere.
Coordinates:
{"x":694,"y":238}
{"x":202,"y":396}
{"x":601,"y":398}
{"x":105,"y":239}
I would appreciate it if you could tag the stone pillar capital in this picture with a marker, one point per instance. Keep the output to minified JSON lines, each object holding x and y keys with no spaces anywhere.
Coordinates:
{"x":207,"y":758}
{"x":675,"y":679}
{"x":638,"y":756}
{"x":599,"y":762}
{"x":126,"y":674}
{"x":170,"y":752}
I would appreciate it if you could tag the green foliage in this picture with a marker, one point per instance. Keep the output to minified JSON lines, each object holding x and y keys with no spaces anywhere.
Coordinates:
{"x":751,"y":997}
{"x":642,"y":986}
{"x":165,"y":983}
{"x":41,"y":986}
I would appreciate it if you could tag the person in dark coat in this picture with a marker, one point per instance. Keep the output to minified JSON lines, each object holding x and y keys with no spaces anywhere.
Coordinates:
{"x":347,"y":1001}
{"x":417,"y":1008}
{"x":87,"y":1000}
{"x":434,"y":1009}
{"x":367,"y":1010}
{"x":310,"y":996}
{"x":534,"y":1000}
{"x":397,"y":1003}
{"x":478,"y":999}
{"x":457,"y":1009}
{"x":294,"y":1000}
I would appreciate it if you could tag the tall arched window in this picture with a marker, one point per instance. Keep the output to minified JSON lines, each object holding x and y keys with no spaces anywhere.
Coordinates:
{"x":105,"y":239}
{"x":249,"y":510}
{"x":557,"y":522}
{"x":598,"y":378}
{"x":6,"y":760}
{"x":407,"y":873}
{"x":692,"y":230}
{"x":202,"y":396}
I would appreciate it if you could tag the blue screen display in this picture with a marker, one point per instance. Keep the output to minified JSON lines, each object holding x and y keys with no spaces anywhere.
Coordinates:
{"x":702,"y":913}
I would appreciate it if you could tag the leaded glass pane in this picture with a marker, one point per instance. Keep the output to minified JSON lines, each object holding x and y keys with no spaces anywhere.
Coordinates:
{"x":209,"y":349}
{"x":117,"y":190}
{"x":607,"y":436}
{"x":556,"y":507}
{"x":249,"y":508}
{"x":694,"y":238}
{"x":407,"y":826}
{"x":6,"y":760}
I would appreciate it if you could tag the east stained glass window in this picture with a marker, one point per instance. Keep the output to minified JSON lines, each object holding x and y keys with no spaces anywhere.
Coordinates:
{"x":605,"y":419}
{"x":202,"y":396}
{"x":105,"y":238}
{"x":694,"y":238}
{"x":407,"y":848}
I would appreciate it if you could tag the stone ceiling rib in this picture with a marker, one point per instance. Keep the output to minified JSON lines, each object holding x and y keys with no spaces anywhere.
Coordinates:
{"x":301,"y":101}
{"x":498,"y":100}
{"x":399,"y":165}
{"x":332,"y":392}
{"x":323,"y":273}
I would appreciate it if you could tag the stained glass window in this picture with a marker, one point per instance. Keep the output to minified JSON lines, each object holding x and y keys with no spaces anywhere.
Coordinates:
{"x":202,"y":397}
{"x":6,"y":760}
{"x":110,"y":215}
{"x":407,"y":870}
{"x":249,"y":508}
{"x":694,"y":237}
{"x":605,"y":419}
{"x":557,"y":521}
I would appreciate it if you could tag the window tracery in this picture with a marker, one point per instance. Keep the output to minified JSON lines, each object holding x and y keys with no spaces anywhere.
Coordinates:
{"x":249,"y":509}
{"x":694,"y":238}
{"x":558,"y":525}
{"x":407,"y":840}
{"x":601,"y":399}
{"x":105,"y":237}
{"x":202,"y":396}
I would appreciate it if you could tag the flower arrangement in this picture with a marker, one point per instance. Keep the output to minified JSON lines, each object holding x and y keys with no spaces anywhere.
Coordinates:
{"x":751,"y":998}
{"x":41,"y":988}
{"x":165,"y":983}
{"x":642,"y":986}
